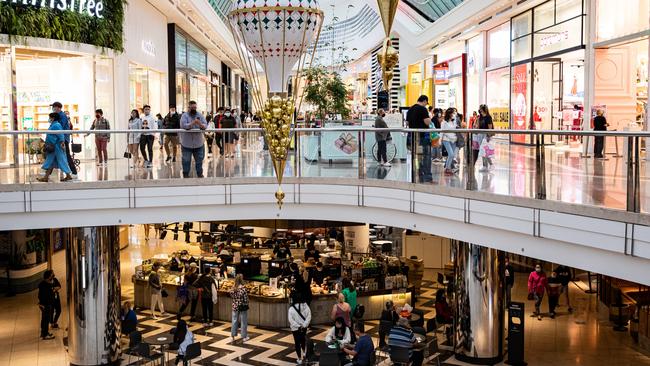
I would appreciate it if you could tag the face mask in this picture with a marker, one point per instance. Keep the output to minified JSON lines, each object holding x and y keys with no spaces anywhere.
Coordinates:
{"x":227,"y":114}
{"x":98,"y":116}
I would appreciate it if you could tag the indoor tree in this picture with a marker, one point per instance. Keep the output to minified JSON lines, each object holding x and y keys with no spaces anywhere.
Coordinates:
{"x":326,"y":91}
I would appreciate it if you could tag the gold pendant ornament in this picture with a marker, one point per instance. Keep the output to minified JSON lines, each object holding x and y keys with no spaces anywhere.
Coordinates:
{"x":388,"y":58}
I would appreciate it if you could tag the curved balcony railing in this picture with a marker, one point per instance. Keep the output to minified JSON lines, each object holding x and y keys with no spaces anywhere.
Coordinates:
{"x":544,"y":165}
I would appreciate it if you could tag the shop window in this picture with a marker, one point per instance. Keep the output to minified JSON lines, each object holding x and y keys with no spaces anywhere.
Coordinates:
{"x":521,"y":49}
{"x":520,"y":100}
{"x":559,"y":37}
{"x":624,"y":22}
{"x":544,"y":15}
{"x":568,"y":9}
{"x":521,"y":25}
{"x":498,"y":96}
{"x":498,"y":46}
{"x":181,"y":50}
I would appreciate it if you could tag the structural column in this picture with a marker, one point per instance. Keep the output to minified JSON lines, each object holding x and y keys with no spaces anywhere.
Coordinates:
{"x":480,"y":304}
{"x":93,"y":266}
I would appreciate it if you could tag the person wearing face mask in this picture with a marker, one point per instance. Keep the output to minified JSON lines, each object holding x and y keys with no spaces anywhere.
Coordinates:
{"x":449,"y":140}
{"x":172,"y":121}
{"x":147,"y":138}
{"x":101,"y":139}
{"x":382,"y":138}
{"x":133,"y":138}
{"x":193,"y":143}
{"x":509,"y":274}
{"x":228,"y":121}
{"x":553,"y":288}
{"x":536,"y":287}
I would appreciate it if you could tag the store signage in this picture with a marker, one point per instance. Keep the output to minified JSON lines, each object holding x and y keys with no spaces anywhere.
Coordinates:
{"x":149,"y":48}
{"x":92,"y":8}
{"x":553,"y":39}
{"x":519,"y":105}
{"x":442,"y":96}
{"x":441,"y":73}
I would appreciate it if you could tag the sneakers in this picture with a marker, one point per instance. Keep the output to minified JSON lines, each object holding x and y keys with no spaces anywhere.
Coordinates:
{"x":386,"y":164}
{"x":55,"y":325}
{"x":298,"y":362}
{"x":48,"y":337}
{"x":67,"y":178}
{"x":539,"y":317}
{"x":246,"y":339}
{"x":43,"y":179}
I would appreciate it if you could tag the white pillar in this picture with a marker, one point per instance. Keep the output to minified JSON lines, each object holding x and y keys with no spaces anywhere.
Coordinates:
{"x":590,"y":76}
{"x":356,"y":238}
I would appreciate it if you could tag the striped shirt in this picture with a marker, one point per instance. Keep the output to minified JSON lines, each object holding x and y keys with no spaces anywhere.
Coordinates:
{"x":401,"y":337}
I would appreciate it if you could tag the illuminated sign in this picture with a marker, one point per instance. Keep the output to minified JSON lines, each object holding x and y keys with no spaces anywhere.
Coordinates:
{"x":92,"y":8}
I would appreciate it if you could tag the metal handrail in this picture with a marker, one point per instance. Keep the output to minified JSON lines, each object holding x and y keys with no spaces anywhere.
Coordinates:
{"x":350,"y":129}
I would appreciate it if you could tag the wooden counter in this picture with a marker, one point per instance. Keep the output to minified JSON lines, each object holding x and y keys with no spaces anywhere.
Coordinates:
{"x":271,"y":312}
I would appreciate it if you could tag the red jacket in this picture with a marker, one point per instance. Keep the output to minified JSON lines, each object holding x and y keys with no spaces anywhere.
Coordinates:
{"x":536,"y":282}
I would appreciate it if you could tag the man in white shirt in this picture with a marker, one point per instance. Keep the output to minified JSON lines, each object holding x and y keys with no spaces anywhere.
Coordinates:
{"x":147,"y":138}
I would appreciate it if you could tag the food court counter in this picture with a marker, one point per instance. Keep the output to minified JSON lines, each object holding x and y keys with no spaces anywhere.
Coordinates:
{"x":271,"y":312}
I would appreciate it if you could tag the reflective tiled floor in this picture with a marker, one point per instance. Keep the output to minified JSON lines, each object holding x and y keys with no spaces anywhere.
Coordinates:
{"x":569,"y":176}
{"x":582,"y":338}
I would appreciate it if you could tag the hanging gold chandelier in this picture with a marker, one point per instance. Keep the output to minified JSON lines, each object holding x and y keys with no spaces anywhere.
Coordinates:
{"x":388,"y":58}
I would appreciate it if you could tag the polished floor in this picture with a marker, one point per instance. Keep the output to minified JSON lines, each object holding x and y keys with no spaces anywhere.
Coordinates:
{"x":569,"y":177}
{"x":582,"y":338}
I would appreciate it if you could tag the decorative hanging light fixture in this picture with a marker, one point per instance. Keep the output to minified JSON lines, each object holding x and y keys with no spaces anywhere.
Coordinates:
{"x":388,"y":58}
{"x":276,"y":34}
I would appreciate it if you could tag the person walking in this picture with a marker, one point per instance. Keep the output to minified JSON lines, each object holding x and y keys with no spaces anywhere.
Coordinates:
{"x":133,"y":138}
{"x":553,"y":287}
{"x":101,"y":139}
{"x":155,"y":287}
{"x":418,"y":117}
{"x":239,"y":309}
{"x":229,"y":121}
{"x":600,"y":124}
{"x":436,"y":122}
{"x":210,"y":134}
{"x":159,"y":126}
{"x":64,"y":120}
{"x":382,"y":138}
{"x":509,"y":275}
{"x":207,"y":289}
{"x":147,"y":138}
{"x":172,"y":121}
{"x":536,"y":288}
{"x":218,"y":136}
{"x":55,"y":151}
{"x":56,"y":305}
{"x":449,"y":140}
{"x":193,"y":143}
{"x":46,"y":304}
{"x":299,"y":318}
{"x":484,"y":122}
{"x":564,"y":274}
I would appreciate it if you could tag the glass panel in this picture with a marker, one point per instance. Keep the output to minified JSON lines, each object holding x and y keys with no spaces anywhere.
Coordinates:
{"x":474,"y":68}
{"x":6,"y":142}
{"x":625,"y":22}
{"x":498,"y":46}
{"x":181,"y":50}
{"x":138,"y":86}
{"x":155,"y":91}
{"x":559,"y":37}
{"x":104,"y":100}
{"x":196,"y":58}
{"x":567,"y":9}
{"x":545,"y":15}
{"x":498,"y":97}
{"x":521,"y":49}
{"x":520,"y":100}
{"x":543,"y":96}
{"x":182,"y":91}
{"x":521,"y":25}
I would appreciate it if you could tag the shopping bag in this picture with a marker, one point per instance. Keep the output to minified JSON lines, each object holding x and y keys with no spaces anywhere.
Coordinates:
{"x":486,"y":149}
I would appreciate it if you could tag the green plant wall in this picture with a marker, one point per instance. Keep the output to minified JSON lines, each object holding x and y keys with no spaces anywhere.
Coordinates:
{"x":18,"y":20}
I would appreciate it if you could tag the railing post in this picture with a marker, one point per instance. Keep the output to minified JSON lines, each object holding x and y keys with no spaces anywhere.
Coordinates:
{"x":296,"y":163}
{"x":540,"y":168}
{"x":633,"y":179}
{"x":414,"y":147}
{"x":470,"y":184}
{"x":361,"y":138}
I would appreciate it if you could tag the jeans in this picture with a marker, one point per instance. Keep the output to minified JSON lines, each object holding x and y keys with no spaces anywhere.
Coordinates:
{"x":425,"y":162}
{"x":46,"y":317}
{"x":198,"y":153}
{"x":538,"y":302}
{"x":451,"y":153}
{"x":381,"y":151}
{"x":102,"y":154}
{"x":437,"y":152}
{"x":208,"y":309}
{"x":146,"y":144}
{"x":299,"y":341}
{"x":239,"y":318}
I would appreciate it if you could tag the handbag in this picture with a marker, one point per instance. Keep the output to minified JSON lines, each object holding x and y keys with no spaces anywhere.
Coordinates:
{"x":460,"y":140}
{"x":76,"y":148}
{"x":48,"y":148}
{"x":127,"y":155}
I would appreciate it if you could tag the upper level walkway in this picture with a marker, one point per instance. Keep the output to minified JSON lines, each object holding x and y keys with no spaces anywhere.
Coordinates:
{"x":548,"y":202}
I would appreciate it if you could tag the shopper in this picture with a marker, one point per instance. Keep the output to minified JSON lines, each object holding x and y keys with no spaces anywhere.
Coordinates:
{"x":388,"y":314}
{"x":382,"y":138}
{"x":339,"y":333}
{"x":133,"y":138}
{"x":172,"y":121}
{"x":341,"y":310}
{"x":193,"y":143}
{"x":210,"y":134}
{"x":66,"y":124}
{"x":183,"y":337}
{"x":536,"y":287}
{"x":239,"y":309}
{"x":191,"y":275}
{"x":155,"y":287}
{"x":208,"y":290}
{"x":436,"y":145}
{"x":182,"y":298}
{"x":55,"y":151}
{"x":418,"y":117}
{"x":564,"y":274}
{"x":218,"y":136}
{"x":484,"y":122}
{"x":299,"y":318}
{"x":444,"y":315}
{"x":159,"y":126}
{"x":600,"y":124}
{"x":350,"y":293}
{"x":402,"y":336}
{"x":129,"y":315}
{"x":46,"y":303}
{"x":101,"y":139}
{"x":147,"y":138}
{"x":509,"y":275}
{"x":229,"y":121}
{"x":363,"y":349}
{"x":56,"y":287}
{"x":553,"y":288}
{"x":449,"y":140}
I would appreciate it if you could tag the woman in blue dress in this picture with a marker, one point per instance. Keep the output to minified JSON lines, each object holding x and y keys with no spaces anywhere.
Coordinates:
{"x":57,"y":158}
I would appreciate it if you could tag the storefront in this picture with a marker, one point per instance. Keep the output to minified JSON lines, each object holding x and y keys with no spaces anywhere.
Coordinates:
{"x":497,"y":76}
{"x":621,"y":64}
{"x":190,"y":69}
{"x":420,"y":81}
{"x":450,"y":79}
{"x":547,"y":69}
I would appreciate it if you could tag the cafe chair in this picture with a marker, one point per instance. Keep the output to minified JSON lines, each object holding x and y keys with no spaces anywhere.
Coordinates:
{"x":329,"y":359}
{"x":193,"y":351}
{"x":135,"y":338}
{"x":399,"y":356}
{"x":432,"y":326}
{"x":144,"y":351}
{"x":433,"y":351}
